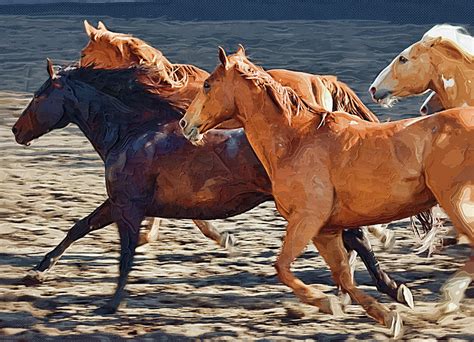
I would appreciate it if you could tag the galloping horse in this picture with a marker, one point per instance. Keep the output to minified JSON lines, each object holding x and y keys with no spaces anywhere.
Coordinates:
{"x":107,"y":49}
{"x":443,"y":61}
{"x":330,"y":171}
{"x":136,"y":134}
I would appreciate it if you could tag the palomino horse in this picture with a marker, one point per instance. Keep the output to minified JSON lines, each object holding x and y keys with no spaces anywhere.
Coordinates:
{"x":443,"y":61}
{"x":331,"y":171}
{"x":107,"y":49}
{"x":136,"y":134}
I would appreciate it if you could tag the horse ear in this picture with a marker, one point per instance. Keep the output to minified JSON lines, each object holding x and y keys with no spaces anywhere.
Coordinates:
{"x":101,"y":26}
{"x":50,"y":68}
{"x":241,"y":50}
{"x":90,"y":30}
{"x":223,"y":57}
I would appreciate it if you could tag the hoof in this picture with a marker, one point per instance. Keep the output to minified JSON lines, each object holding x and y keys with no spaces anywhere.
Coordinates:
{"x":105,"y":310}
{"x":32,"y":278}
{"x":228,"y":241}
{"x":404,"y":296}
{"x":345,"y":299}
{"x":395,"y":324}
{"x":331,"y":305}
{"x":388,"y":240}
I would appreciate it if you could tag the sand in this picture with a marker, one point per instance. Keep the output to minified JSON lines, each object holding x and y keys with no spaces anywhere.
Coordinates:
{"x":182,"y":286}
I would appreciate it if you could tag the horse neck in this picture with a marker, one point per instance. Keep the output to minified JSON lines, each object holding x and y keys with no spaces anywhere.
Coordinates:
{"x":267,"y":128}
{"x":104,"y":120}
{"x":452,"y":80}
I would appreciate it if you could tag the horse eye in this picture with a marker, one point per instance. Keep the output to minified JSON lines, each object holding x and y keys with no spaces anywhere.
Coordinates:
{"x":206,"y":86}
{"x":402,"y":59}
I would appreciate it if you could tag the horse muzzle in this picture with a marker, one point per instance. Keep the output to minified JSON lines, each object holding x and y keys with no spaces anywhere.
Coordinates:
{"x":19,"y":137}
{"x":193,"y":135}
{"x":383,"y":97}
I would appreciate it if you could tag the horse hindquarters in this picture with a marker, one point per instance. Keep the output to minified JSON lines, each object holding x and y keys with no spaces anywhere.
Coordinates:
{"x":459,"y":205}
{"x":452,"y":183}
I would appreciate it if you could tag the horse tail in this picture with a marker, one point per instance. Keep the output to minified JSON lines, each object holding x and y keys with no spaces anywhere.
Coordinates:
{"x":426,"y":229}
{"x":346,"y":100}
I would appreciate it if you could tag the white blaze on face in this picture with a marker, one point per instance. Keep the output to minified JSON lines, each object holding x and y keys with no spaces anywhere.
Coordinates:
{"x":467,"y":204}
{"x":380,"y":79}
{"x":448,"y":83}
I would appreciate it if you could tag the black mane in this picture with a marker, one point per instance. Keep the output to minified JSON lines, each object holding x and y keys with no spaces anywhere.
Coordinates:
{"x":124,"y":85}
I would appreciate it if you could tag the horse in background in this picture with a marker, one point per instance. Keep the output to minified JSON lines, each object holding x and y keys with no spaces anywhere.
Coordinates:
{"x":321,"y":165}
{"x":442,"y":61}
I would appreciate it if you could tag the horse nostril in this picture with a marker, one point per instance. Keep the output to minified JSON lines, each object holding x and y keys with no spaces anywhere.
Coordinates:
{"x":14,"y":130}
{"x":182,"y":123}
{"x":372,"y":90}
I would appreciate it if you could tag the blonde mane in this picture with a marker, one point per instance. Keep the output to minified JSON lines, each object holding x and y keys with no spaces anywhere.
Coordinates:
{"x":284,"y":97}
{"x":456,"y":34}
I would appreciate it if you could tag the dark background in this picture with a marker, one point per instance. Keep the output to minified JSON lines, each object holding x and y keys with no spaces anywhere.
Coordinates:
{"x":354,"y":40}
{"x":398,"y":11}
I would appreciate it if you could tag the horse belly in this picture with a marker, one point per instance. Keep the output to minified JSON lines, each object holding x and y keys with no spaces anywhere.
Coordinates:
{"x":381,"y":196}
{"x":217,"y":180}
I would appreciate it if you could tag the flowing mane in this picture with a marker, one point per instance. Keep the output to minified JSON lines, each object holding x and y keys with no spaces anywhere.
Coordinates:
{"x":136,"y":50}
{"x":456,"y":34}
{"x":284,"y":97}
{"x":126,"y":85}
{"x":345,"y":100}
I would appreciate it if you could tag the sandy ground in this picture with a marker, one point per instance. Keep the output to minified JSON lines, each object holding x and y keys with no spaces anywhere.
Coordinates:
{"x":182,"y":286}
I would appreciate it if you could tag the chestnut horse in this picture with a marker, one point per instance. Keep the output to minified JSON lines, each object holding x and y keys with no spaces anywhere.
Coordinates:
{"x":331,"y":171}
{"x":443,"y":61}
{"x":107,"y":49}
{"x":136,"y":134}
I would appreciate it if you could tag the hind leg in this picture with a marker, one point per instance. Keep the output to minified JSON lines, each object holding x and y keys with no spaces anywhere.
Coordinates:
{"x":356,"y":239}
{"x":460,"y":208}
{"x":331,"y":248}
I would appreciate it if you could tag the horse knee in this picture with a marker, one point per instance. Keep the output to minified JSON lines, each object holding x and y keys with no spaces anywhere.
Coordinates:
{"x":283,"y":271}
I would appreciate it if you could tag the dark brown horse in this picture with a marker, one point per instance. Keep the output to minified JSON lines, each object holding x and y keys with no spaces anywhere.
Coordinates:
{"x":136,"y":134}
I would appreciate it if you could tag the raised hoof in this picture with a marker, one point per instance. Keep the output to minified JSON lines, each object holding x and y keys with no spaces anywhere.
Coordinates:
{"x":395,"y":324}
{"x":32,"y":278}
{"x":105,"y":310}
{"x":331,"y":305}
{"x":405,"y":296}
{"x":228,"y":241}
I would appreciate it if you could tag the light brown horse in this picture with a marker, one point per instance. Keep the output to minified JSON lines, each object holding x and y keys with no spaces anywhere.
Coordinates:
{"x":180,"y":83}
{"x":443,"y":61}
{"x":330,"y":171}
